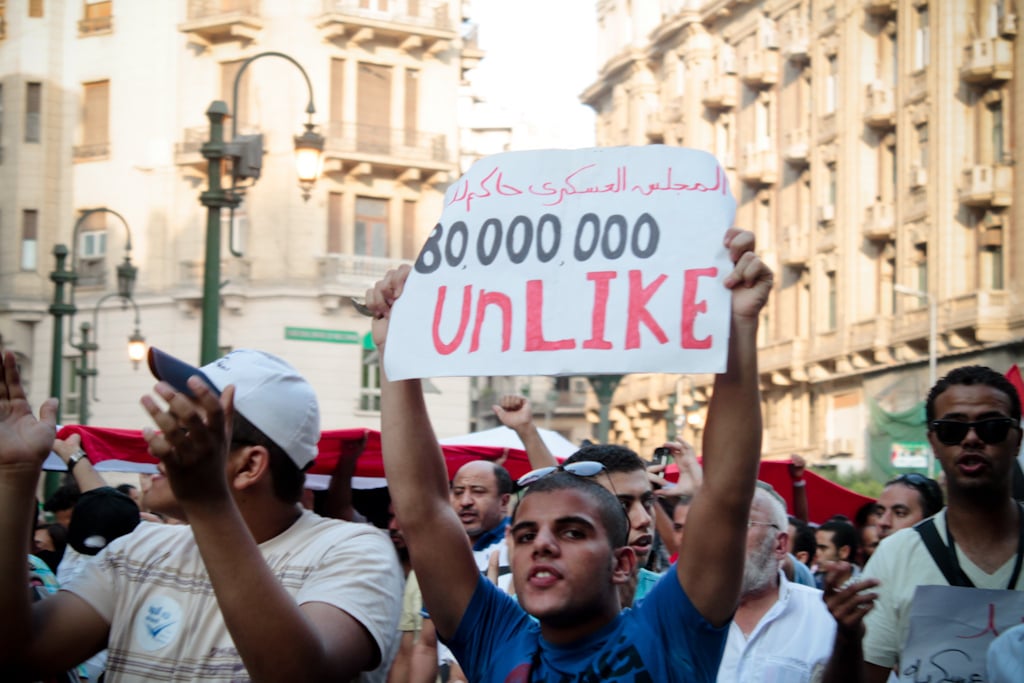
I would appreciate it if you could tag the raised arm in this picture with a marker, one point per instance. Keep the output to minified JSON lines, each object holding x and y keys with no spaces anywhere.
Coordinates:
{"x":849,"y":602}
{"x":82,"y":470}
{"x":717,"y":524}
{"x":277,"y":639}
{"x":61,"y":631}
{"x":516,"y":413}
{"x":418,"y":481}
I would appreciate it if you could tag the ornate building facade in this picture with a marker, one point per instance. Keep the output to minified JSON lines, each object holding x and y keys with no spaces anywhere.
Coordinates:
{"x":103,"y":104}
{"x":870,"y":145}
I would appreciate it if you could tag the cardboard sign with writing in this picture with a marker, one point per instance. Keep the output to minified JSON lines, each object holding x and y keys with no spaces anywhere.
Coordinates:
{"x":592,"y":261}
{"x":951,"y":629}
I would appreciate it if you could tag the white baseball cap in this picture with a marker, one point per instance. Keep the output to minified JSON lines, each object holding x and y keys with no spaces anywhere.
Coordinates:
{"x":269,"y":392}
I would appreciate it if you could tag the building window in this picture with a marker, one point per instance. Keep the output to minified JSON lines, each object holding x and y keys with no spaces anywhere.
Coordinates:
{"x":91,"y":265}
{"x":833,"y":185}
{"x":831,"y":303}
{"x":371,"y":236}
{"x":96,"y":17}
{"x":95,"y":122}
{"x":410,"y":232}
{"x":832,"y":85}
{"x":996,"y":110}
{"x":240,"y":108}
{"x":921,"y":267}
{"x":369,"y":379}
{"x":992,"y":266}
{"x":33,"y":111}
{"x":29,"y":239}
{"x":922,"y":145}
{"x":922,"y":40}
{"x":334,"y":222}
{"x":411,"y":114}
{"x":35,"y":8}
{"x":1,"y":110}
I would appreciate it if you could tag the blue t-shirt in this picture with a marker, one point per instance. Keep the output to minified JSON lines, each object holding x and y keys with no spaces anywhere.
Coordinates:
{"x":664,"y":638}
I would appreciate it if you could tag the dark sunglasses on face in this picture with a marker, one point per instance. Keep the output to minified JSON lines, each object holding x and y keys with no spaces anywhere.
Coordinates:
{"x":991,"y":431}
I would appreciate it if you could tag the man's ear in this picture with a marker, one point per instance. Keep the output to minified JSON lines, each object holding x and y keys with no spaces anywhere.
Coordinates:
{"x":844,"y":552}
{"x":505,"y":498}
{"x":781,"y":548}
{"x":251,"y":464}
{"x":623,"y":564}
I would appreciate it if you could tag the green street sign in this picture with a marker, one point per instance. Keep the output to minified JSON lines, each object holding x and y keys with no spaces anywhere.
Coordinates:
{"x":328,"y":336}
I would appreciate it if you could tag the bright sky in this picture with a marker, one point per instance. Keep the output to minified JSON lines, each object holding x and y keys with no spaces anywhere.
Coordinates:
{"x":540,"y":55}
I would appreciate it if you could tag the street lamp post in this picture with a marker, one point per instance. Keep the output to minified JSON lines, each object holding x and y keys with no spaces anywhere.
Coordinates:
{"x":62,"y":276}
{"x":604,"y":386}
{"x":136,"y":348}
{"x":933,"y":342}
{"x":246,"y":154}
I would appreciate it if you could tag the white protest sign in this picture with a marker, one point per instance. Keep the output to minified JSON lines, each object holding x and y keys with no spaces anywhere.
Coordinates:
{"x":951,"y":629}
{"x":592,"y":261}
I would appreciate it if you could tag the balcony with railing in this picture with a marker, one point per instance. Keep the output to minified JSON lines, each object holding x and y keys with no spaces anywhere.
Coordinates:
{"x":879,"y":221}
{"x":388,"y":147}
{"x":98,"y":19}
{"x":758,"y":163}
{"x":782,"y":355}
{"x":97,"y":151}
{"x":796,"y":145}
{"x":794,"y":246}
{"x":880,"y":8}
{"x":826,"y":127}
{"x":917,"y":85}
{"x":986,"y":312}
{"x":218,"y":21}
{"x":879,"y":105}
{"x":795,"y":38}
{"x":986,"y":185}
{"x":410,"y":24}
{"x":352,"y":274}
{"x":721,"y":92}
{"x":760,"y":68}
{"x":988,"y":60}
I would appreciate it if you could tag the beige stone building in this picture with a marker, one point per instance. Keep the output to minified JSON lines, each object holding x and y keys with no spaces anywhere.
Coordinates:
{"x":871,"y":145}
{"x":103,"y":104}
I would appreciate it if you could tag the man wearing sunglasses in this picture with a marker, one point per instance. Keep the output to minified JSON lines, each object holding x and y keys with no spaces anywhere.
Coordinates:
{"x":569,"y":545}
{"x":905,"y":501}
{"x":973,"y":416}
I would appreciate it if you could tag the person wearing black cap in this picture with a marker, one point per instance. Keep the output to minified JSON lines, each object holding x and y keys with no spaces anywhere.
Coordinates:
{"x":254,"y":588}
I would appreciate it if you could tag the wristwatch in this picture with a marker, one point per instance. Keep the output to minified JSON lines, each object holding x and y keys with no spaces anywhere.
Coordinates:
{"x":75,"y":458}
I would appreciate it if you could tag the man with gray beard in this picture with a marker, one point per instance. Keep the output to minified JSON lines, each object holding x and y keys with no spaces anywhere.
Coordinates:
{"x":782,"y":631}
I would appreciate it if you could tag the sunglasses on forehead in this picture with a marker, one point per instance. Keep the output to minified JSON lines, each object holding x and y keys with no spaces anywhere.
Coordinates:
{"x":585,"y":468}
{"x":991,"y":431}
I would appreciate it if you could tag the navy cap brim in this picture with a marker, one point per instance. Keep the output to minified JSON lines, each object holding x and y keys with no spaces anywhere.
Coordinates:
{"x":175,"y":372}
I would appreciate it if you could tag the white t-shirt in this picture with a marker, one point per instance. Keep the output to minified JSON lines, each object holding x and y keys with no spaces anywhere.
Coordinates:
{"x":790,"y":643}
{"x":152,"y":588}
{"x":902,"y":563}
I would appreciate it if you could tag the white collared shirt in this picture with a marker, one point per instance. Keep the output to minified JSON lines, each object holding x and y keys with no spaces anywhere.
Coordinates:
{"x":792,"y":641}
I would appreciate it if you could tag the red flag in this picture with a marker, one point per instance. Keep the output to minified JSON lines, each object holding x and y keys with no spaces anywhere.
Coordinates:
{"x":1013,"y":374}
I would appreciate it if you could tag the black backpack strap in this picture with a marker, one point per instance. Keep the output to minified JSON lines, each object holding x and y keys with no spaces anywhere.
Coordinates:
{"x":940,"y":553}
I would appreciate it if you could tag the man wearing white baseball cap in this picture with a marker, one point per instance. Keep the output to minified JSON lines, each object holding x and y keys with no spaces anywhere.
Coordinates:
{"x":255,"y":587}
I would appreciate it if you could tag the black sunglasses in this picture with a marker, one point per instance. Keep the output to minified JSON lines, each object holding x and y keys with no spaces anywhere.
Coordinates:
{"x":991,"y":431}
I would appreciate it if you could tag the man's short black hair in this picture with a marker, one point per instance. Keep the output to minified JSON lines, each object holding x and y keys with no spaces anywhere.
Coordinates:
{"x":287,"y":478}
{"x":504,"y":479}
{"x":614,"y":458}
{"x":928,"y":490}
{"x":969,"y":375}
{"x":126,"y":489}
{"x":804,"y":541}
{"x":64,"y":498}
{"x":843,"y":533}
{"x":613,"y":517}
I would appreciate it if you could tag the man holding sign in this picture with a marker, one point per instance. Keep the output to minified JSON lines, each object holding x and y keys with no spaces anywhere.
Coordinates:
{"x":950,"y":584}
{"x":569,"y":535}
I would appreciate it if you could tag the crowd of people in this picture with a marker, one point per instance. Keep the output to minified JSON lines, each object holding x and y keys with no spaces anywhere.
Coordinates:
{"x":593,"y":569}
